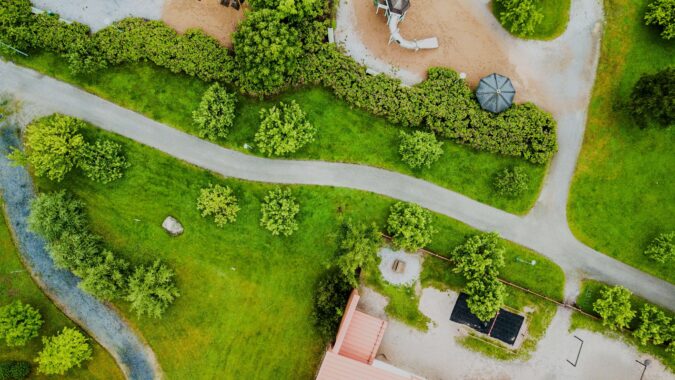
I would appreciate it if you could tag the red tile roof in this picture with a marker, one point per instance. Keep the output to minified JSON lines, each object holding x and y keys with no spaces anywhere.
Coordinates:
{"x":363,"y":338}
{"x":336,"y":367}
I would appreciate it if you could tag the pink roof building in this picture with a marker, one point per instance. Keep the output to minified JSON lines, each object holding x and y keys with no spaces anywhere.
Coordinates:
{"x":352,"y":357}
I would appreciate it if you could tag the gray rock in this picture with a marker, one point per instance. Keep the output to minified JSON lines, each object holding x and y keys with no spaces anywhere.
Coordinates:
{"x":172,"y":226}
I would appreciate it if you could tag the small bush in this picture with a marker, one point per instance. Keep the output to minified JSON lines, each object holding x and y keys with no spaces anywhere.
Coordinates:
{"x":358,"y":249}
{"x":614,"y":307}
{"x":61,"y":352}
{"x":420,"y":149}
{"x":279,"y":210}
{"x":653,"y":98}
{"x":53,"y":214}
{"x":511,"y":182}
{"x":410,"y":226}
{"x":219,"y":202}
{"x":152,"y":289}
{"x":520,"y":16}
{"x":103,"y":161}
{"x":19,"y":323}
{"x":284,"y":129}
{"x":215,"y":115}
{"x":662,"y":248}
{"x":654,"y":325}
{"x":14,"y":370}
{"x":330,"y":298}
{"x":662,"y":13}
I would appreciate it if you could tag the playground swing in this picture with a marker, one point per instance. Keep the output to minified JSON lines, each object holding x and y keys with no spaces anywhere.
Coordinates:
{"x":395,"y":11}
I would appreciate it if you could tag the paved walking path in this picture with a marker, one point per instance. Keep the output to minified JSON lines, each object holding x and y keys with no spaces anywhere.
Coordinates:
{"x":542,"y":230}
{"x":135,"y":358}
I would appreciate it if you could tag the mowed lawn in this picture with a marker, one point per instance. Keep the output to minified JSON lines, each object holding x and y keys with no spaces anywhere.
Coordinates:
{"x":623,"y":193}
{"x":556,"y":17}
{"x":17,"y":284}
{"x":344,"y":134}
{"x":246,"y":296}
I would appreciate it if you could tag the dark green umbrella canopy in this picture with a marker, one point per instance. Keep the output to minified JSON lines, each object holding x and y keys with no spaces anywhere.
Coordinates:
{"x":495,"y":93}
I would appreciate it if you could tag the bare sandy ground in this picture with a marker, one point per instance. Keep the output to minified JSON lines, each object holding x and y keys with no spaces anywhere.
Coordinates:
{"x":436,"y":355}
{"x":216,"y":20}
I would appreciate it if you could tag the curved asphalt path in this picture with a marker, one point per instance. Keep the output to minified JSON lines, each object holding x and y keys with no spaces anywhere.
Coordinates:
{"x":544,"y":230}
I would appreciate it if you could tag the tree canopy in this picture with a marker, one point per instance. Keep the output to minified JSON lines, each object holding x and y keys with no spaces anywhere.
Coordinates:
{"x":662,"y":13}
{"x":19,"y":322}
{"x":420,"y":149}
{"x":284,"y":129}
{"x":152,"y":289}
{"x":219,"y":202}
{"x":410,"y":226}
{"x":215,"y":115}
{"x":358,"y":248}
{"x":61,"y":352}
{"x":279,"y":210}
{"x":479,"y":256}
{"x":662,"y":248}
{"x":614,"y":307}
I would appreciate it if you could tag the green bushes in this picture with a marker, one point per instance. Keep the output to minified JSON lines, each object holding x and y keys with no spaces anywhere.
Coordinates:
{"x":297,"y":9}
{"x":330,"y":298}
{"x":653,"y":98}
{"x":654,"y":326}
{"x":103,"y":161}
{"x":511,"y":182}
{"x":19,"y":323}
{"x":410,"y":226}
{"x":358,"y":249}
{"x":14,"y":370}
{"x":662,"y":13}
{"x":486,"y":296}
{"x":284,"y":129}
{"x":662,"y":248}
{"x":215,"y":115}
{"x":219,"y":202}
{"x":420,"y":149}
{"x":279,"y":210}
{"x":61,"y":352}
{"x":520,"y":16}
{"x":614,"y":307}
{"x":152,"y":289}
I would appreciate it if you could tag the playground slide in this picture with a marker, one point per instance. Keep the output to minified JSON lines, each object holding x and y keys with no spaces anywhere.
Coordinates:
{"x":427,"y":43}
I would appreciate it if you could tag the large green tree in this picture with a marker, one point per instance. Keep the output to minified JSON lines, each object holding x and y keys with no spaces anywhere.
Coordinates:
{"x":662,"y":13}
{"x":106,"y":280}
{"x":152,"y":289}
{"x":410,"y":226}
{"x":358,"y":249}
{"x":61,"y":352}
{"x":330,"y":298}
{"x":653,"y":98}
{"x":19,"y":322}
{"x":614,"y":307}
{"x":654,"y":325}
{"x":279,"y":211}
{"x":486,"y":296}
{"x":296,"y":9}
{"x":420,"y":149}
{"x":479,"y":256}
{"x":284,"y":129}
{"x":215,"y":115}
{"x":52,"y":214}
{"x":76,"y":251}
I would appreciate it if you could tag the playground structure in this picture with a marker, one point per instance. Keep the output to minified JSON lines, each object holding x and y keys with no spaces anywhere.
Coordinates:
{"x":395,"y":11}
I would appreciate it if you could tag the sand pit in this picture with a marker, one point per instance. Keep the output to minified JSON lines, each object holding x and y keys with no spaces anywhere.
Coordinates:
{"x":208,"y":15}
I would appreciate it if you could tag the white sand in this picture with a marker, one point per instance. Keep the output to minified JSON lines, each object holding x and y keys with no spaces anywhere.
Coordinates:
{"x":413,"y":266}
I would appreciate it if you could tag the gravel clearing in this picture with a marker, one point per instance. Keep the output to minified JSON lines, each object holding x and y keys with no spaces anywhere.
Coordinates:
{"x":134,"y":357}
{"x":413,"y":266}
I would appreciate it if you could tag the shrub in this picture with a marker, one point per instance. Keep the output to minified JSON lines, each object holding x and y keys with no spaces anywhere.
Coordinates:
{"x":296,"y":9}
{"x":19,"y":323}
{"x":330,"y":297}
{"x":410,"y":226}
{"x":614,"y":307}
{"x":358,"y":249}
{"x":419,"y":149}
{"x":279,"y":210}
{"x":76,"y":251}
{"x":103,"y":161}
{"x":520,"y":16}
{"x":53,"y":214}
{"x":662,"y":248}
{"x":284,"y":129}
{"x":106,"y":280}
{"x":152,"y":289}
{"x":486,"y":296}
{"x":653,"y":98}
{"x":61,"y":352}
{"x":479,"y":256}
{"x":662,"y":13}
{"x":215,"y":115}
{"x":14,"y":370}
{"x":267,"y":51}
{"x":654,"y":326}
{"x":511,"y":182}
{"x":219,"y":202}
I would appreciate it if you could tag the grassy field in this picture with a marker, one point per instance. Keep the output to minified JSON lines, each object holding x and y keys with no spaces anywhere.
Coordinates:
{"x":623,"y":193}
{"x":244,"y":293}
{"x":344,"y":134}
{"x":16,"y":284}
{"x":590,"y":292}
{"x":556,"y":17}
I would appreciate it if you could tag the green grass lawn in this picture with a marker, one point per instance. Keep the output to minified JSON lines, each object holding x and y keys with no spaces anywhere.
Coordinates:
{"x":16,"y":284}
{"x":590,"y":292}
{"x":244,"y":293}
{"x":623,"y":193}
{"x":344,"y":134}
{"x":556,"y":17}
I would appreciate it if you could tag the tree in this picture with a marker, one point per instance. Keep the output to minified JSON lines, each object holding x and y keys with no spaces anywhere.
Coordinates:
{"x":219,"y":202}
{"x":152,"y":289}
{"x":267,"y":51}
{"x":52,"y":214}
{"x":297,"y":9}
{"x":14,"y":370}
{"x":330,"y":298}
{"x":521,"y":16}
{"x":76,"y":251}
{"x":61,"y":352}
{"x":662,"y":13}
{"x":108,"y":279}
{"x":614,"y":307}
{"x":19,"y":322}
{"x":511,"y":182}
{"x":479,"y":256}
{"x":410,"y":226}
{"x":486,"y":296}
{"x":652,"y":98}
{"x":215,"y":115}
{"x":279,"y":210}
{"x":53,"y":145}
{"x":419,"y":149}
{"x":358,"y":248}
{"x":662,"y":248}
{"x":654,"y":325}
{"x":284,"y":129}
{"x":103,"y":161}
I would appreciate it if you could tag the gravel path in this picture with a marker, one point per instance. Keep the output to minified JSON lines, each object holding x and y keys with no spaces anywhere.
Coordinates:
{"x":135,"y":358}
{"x":541,"y":230}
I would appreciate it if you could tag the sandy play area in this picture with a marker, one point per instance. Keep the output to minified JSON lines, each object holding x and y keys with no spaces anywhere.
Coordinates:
{"x":214,"y":19}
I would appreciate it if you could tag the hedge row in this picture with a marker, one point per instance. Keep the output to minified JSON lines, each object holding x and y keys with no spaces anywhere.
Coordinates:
{"x":443,"y":103}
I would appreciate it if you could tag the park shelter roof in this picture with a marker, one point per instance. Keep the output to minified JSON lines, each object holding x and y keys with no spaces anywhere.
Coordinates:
{"x":495,"y":93}
{"x":336,"y":367}
{"x":398,"y":6}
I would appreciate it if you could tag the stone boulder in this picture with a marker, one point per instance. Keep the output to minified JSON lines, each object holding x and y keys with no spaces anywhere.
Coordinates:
{"x":172,"y":226}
